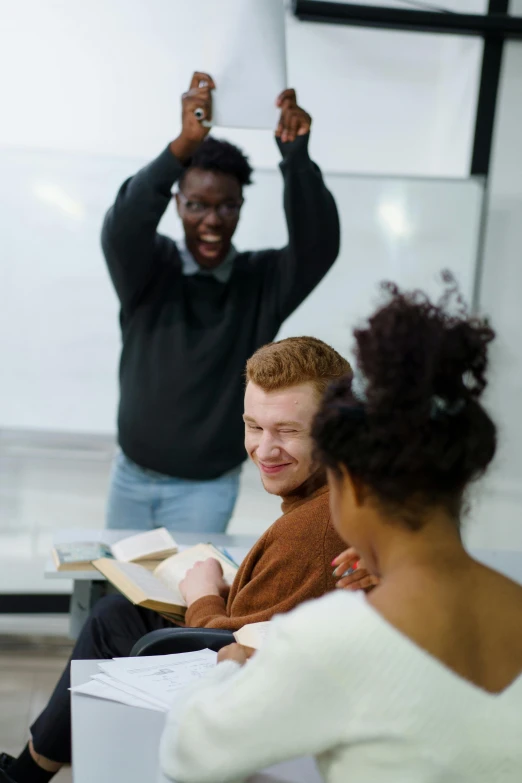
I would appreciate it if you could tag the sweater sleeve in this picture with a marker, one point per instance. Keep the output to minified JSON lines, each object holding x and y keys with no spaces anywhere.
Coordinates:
{"x":240,"y":721}
{"x":130,"y":242}
{"x":313,"y":230}
{"x":207,"y":612}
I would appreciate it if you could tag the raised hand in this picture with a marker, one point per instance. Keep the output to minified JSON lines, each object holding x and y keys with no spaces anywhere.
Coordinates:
{"x":294,"y":121}
{"x":196,"y":115}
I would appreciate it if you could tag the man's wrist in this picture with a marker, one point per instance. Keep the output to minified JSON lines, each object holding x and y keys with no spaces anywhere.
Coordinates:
{"x":203,"y":592}
{"x":294,"y":150}
{"x":183,"y":149}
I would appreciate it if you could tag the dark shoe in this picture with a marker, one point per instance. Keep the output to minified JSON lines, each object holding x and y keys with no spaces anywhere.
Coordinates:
{"x":5,"y":762}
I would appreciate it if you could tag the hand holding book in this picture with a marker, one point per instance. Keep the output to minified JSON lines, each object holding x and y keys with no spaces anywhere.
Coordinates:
{"x":160,"y":590}
{"x":204,"y":578}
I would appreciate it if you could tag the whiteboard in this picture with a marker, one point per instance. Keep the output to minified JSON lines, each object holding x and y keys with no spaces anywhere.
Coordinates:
{"x":59,"y":336}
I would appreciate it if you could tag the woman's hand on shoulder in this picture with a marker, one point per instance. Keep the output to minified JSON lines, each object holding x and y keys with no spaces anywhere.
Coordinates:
{"x":351,"y":572}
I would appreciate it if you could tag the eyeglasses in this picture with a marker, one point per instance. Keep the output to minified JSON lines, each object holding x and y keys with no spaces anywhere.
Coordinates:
{"x":226,"y":211}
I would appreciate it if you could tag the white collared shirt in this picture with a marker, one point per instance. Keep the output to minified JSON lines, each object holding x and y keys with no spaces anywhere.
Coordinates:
{"x":191,"y":267}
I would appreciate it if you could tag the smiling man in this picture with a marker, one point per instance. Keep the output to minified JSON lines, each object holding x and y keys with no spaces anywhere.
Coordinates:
{"x":292,"y":561}
{"x":192,"y":312}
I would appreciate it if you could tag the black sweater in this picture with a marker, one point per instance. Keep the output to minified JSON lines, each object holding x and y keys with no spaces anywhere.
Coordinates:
{"x":186,"y":339}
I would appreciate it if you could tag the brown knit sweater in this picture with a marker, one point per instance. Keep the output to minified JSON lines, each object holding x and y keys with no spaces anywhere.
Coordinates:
{"x":290,"y":563}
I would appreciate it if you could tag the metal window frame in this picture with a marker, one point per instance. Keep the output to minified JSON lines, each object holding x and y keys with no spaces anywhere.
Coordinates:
{"x":35,"y":603}
{"x":495,"y":23}
{"x":494,"y":28}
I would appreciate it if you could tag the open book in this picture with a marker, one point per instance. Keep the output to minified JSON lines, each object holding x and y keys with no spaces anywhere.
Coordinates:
{"x":151,"y":546}
{"x":159,"y":590}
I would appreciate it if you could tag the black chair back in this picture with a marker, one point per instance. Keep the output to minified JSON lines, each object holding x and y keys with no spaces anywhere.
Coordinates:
{"x":179,"y":640}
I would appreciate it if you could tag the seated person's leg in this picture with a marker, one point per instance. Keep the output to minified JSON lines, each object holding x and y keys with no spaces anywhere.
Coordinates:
{"x":111,"y":630}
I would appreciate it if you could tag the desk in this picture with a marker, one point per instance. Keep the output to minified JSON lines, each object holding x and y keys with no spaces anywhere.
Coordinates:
{"x":113,"y":742}
{"x":90,"y":586}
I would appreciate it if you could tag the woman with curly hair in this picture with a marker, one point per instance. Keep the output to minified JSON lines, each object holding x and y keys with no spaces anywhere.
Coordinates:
{"x":420,"y":679}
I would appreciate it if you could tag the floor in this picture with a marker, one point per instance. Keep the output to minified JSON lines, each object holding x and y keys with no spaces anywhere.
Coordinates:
{"x":29,"y":668}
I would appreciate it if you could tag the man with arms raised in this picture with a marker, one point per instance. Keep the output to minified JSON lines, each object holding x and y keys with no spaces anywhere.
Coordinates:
{"x":290,"y":563}
{"x":192,"y":312}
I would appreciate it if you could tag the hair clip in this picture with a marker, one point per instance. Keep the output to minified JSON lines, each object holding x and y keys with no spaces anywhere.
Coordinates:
{"x":441,"y":407}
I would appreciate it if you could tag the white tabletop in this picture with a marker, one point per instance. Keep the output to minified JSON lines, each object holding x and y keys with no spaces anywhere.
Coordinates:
{"x":113,"y":742}
{"x":506,"y":561}
{"x":237,"y":545}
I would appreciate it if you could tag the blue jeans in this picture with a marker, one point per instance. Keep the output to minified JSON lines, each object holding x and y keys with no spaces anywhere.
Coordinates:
{"x":142,"y":499}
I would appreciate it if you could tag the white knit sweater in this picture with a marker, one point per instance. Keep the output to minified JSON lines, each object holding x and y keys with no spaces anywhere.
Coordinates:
{"x":335,"y":680}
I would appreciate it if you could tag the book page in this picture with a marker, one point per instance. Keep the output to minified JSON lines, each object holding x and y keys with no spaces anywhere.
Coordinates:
{"x":144,"y":545}
{"x":172,"y":570}
{"x":252,"y":635}
{"x":138,"y":584}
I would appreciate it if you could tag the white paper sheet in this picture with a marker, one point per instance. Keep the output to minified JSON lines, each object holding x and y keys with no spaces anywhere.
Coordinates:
{"x":116,"y":686}
{"x":242,"y":46}
{"x":163,"y":679}
{"x":102,"y":690}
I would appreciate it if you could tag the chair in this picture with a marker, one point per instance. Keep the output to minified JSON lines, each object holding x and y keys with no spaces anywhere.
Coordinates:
{"x":179,"y":640}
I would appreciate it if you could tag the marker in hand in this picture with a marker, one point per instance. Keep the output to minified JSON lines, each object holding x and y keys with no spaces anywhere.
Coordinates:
{"x":351,"y":572}
{"x":199,"y":113}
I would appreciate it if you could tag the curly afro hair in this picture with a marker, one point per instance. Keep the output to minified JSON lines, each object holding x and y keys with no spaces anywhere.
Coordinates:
{"x":410,"y":454}
{"x":218,"y":155}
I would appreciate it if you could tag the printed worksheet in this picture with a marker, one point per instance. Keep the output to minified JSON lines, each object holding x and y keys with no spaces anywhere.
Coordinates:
{"x":161,"y":677}
{"x":118,"y":687}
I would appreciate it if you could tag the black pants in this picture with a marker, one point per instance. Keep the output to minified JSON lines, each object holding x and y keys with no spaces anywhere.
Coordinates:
{"x":111,"y":631}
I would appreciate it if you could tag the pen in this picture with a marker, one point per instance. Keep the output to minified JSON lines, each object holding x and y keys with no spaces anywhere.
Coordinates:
{"x":349,"y":571}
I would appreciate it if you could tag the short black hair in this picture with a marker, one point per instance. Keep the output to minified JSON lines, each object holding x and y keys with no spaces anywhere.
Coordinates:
{"x":219,"y":155}
{"x":421,"y":434}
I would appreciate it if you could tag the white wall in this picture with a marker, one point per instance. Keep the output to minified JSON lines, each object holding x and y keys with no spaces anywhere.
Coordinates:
{"x":105,"y":77}
{"x":498,"y":517}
